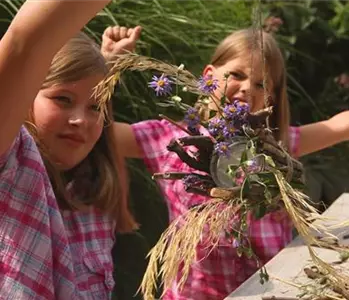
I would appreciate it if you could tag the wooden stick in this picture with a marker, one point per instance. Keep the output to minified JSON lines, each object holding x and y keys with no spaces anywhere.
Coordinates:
{"x":170,"y":175}
{"x":224,"y":193}
{"x":279,"y":298}
{"x":281,"y":156}
{"x":175,"y":124}
{"x":175,"y":146}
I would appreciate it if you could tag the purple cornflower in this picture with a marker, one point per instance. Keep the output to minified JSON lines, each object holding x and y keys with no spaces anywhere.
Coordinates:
{"x":215,"y":127}
{"x":229,"y":131}
{"x":194,"y":130}
{"x":229,"y":111}
{"x":222,"y":148}
{"x":236,"y":113}
{"x":208,"y":84}
{"x":242,"y":107}
{"x":161,"y":85}
{"x":192,"y":117}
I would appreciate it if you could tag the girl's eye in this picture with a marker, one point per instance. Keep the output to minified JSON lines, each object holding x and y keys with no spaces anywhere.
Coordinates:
{"x":95,"y":107}
{"x":62,"y":99}
{"x":260,"y":85}
{"x":236,"y":75}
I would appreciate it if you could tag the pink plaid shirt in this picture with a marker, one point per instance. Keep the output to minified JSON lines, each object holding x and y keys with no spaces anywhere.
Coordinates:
{"x":222,"y":271}
{"x":42,"y":255}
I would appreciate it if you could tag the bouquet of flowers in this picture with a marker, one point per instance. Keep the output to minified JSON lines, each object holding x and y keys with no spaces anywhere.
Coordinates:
{"x":239,"y":165}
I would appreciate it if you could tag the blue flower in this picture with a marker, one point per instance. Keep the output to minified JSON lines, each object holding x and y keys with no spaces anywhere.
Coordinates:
{"x":192,"y":117}
{"x":215,"y":127}
{"x":222,"y":149}
{"x":229,"y":131}
{"x":161,"y":85}
{"x":236,"y":113}
{"x":229,"y":111}
{"x":208,"y":84}
{"x":242,"y":107}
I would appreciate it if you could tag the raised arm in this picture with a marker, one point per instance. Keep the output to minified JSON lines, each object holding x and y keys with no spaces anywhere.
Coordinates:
{"x":125,"y":136}
{"x":320,"y":135}
{"x":37,"y":32}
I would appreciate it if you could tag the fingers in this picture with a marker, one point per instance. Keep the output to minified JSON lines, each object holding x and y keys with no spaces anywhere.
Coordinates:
{"x":122,"y":32}
{"x":135,"y":33}
{"x":117,"y":33}
{"x":108,"y":32}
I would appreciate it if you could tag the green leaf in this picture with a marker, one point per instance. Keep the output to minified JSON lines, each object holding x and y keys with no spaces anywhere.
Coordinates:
{"x":269,"y":161}
{"x":244,"y":157}
{"x":245,"y":188}
{"x":232,"y":171}
{"x":267,"y":195}
{"x":260,"y":211}
{"x":253,"y":149}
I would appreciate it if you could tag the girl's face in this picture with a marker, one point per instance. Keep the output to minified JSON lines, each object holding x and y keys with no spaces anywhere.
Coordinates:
{"x":243,"y":83}
{"x":68,"y":121}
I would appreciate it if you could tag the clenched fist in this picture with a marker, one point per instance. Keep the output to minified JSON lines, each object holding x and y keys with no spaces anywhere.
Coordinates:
{"x":117,"y":40}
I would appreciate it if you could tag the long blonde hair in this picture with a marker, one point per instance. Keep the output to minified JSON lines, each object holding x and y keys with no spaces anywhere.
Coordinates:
{"x":244,"y":41}
{"x":106,"y":187}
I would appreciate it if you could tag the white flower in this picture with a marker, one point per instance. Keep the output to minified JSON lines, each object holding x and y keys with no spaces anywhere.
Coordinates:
{"x":185,"y":89}
{"x":176,"y":98}
{"x":206,"y":101}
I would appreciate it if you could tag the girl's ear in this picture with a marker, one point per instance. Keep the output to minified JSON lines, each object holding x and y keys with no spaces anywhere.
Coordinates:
{"x":208,"y":70}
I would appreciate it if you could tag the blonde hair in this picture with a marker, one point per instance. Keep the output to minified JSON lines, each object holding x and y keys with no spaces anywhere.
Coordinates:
{"x":245,"y":41}
{"x":107,"y":186}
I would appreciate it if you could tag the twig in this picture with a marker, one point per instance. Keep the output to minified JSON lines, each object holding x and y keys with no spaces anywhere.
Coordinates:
{"x":198,"y":141}
{"x":180,"y":175}
{"x":323,"y":279}
{"x":175,"y":124}
{"x":279,"y":298}
{"x":281,"y":156}
{"x":170,"y":175}
{"x":203,"y":143}
{"x":174,"y":146}
{"x":258,"y":118}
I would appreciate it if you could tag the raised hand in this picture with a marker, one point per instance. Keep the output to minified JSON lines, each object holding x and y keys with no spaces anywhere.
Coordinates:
{"x":117,"y":40}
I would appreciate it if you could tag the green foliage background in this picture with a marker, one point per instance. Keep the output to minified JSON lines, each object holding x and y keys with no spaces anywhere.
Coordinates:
{"x":314,"y":38}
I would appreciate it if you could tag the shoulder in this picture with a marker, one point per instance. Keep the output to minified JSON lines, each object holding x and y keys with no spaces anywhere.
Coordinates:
{"x":153,"y":137}
{"x":152,"y":127}
{"x":154,"y":134}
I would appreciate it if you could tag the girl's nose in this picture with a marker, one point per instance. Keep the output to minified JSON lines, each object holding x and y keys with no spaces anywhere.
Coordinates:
{"x":78,"y":118}
{"x":245,"y":86}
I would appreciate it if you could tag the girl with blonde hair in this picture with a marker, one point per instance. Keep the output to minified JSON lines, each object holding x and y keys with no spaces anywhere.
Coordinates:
{"x":87,"y":173}
{"x":58,"y":245}
{"x":37,"y":253}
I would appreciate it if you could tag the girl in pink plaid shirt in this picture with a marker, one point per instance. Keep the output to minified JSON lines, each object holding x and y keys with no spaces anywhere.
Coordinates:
{"x":216,"y":274}
{"x":82,"y":158}
{"x":56,"y":247}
